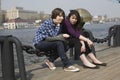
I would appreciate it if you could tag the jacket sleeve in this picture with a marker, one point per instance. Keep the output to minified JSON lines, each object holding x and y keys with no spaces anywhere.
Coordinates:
{"x":71,"y":30}
{"x":56,"y":38}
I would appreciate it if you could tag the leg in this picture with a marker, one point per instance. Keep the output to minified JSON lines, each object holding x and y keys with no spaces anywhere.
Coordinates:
{"x":73,"y":42}
{"x":86,"y":61}
{"x":81,"y":55}
{"x":77,"y":46}
{"x":91,"y":55}
{"x":61,"y":52}
{"x":48,"y":46}
{"x":93,"y":58}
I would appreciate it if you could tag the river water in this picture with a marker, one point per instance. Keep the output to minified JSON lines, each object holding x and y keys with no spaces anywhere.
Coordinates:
{"x":26,"y":37}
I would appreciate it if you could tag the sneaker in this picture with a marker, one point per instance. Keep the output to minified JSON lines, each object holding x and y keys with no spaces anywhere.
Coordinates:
{"x":72,"y":69}
{"x":50,"y":65}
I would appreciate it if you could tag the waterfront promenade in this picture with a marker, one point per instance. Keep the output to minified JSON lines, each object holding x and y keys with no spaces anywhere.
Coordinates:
{"x":111,"y":56}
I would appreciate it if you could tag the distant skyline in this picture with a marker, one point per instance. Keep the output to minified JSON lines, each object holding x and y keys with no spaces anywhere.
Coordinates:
{"x":95,"y":7}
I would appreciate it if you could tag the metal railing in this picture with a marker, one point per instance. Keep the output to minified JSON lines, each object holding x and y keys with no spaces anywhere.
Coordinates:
{"x":113,"y":34}
{"x":7,"y":58}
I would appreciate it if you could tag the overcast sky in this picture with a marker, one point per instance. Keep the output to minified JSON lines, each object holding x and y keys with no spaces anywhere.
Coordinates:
{"x":96,"y":7}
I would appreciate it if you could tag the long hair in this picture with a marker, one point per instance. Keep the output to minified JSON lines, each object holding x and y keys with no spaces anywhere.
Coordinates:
{"x":79,"y":23}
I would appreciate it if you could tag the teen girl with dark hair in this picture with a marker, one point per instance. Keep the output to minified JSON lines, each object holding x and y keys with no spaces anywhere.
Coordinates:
{"x":72,"y":26}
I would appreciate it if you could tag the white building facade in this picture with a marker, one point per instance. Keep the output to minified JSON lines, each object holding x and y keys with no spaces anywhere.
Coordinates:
{"x":18,"y":24}
{"x":19,"y":12}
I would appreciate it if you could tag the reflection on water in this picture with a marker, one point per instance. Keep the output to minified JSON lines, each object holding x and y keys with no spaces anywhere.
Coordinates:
{"x":100,"y":30}
{"x":25,"y":35}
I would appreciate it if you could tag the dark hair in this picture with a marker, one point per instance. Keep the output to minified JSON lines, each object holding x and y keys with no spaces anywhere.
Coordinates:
{"x":78,"y":25}
{"x":56,"y":12}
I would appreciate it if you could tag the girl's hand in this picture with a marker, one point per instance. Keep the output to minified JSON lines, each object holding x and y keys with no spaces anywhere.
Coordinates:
{"x":83,"y":49}
{"x":66,"y":35}
{"x":90,"y":43}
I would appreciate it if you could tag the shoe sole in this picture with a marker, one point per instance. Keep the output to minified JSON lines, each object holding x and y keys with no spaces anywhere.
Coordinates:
{"x":102,"y":64}
{"x":76,"y":70}
{"x":97,"y":67}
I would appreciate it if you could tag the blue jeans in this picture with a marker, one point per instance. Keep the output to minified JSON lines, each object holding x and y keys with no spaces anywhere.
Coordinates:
{"x":59,"y":50}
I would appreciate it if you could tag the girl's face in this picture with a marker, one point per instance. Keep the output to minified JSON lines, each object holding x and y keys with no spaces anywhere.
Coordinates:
{"x":59,"y":19}
{"x":73,"y":19}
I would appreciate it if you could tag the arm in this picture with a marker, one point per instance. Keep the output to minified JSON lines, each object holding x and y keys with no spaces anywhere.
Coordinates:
{"x":86,"y":39}
{"x":76,"y":33}
{"x":83,"y":49}
{"x":60,"y":37}
{"x":82,"y":42}
{"x":71,"y":30}
{"x":55,"y":38}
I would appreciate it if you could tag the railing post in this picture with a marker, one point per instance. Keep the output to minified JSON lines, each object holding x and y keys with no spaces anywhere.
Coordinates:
{"x":110,"y":34}
{"x":7,"y":58}
{"x":116,"y":36}
{"x":1,"y":45}
{"x":7,"y":61}
{"x":20,"y":57}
